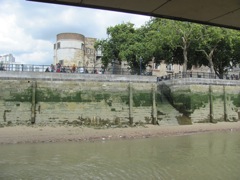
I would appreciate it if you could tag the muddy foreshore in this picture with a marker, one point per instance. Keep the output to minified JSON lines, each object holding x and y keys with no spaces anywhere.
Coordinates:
{"x":46,"y":134}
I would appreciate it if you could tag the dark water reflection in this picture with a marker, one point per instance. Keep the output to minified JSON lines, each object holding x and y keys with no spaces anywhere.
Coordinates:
{"x":205,"y":156}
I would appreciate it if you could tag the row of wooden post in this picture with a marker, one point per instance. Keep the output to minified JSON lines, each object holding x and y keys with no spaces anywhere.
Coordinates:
{"x":154,"y":109}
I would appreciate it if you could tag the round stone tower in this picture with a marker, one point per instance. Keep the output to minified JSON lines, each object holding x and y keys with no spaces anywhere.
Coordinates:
{"x":69,"y":49}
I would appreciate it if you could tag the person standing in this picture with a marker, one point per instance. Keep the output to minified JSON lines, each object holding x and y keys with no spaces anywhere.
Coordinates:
{"x":58,"y":67}
{"x":52,"y":68}
{"x":73,"y":68}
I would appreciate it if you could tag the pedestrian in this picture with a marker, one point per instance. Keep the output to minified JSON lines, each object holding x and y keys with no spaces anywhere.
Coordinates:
{"x":73,"y":68}
{"x":52,"y":68}
{"x":58,"y":67}
{"x":47,"y":69}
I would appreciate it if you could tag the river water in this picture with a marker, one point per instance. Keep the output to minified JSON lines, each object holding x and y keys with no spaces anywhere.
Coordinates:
{"x":198,"y":157}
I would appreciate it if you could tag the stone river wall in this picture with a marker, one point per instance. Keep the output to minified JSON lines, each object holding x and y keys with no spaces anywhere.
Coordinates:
{"x":91,"y":99}
{"x":54,"y":98}
{"x":204,"y":100}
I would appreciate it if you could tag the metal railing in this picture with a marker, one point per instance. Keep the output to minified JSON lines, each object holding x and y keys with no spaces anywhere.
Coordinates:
{"x":198,"y":75}
{"x":23,"y":67}
{"x":69,"y":69}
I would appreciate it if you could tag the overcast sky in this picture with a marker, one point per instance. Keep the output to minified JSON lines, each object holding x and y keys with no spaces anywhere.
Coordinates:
{"x":28,"y":29}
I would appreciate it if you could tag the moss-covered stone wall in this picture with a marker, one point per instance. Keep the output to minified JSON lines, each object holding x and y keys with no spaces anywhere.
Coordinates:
{"x":48,"y":101}
{"x":79,"y":102}
{"x":201,"y":102}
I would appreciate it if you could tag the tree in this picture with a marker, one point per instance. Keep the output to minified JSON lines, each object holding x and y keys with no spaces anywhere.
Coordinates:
{"x":115,"y":47}
{"x":174,"y":40}
{"x":125,"y":43}
{"x":159,"y":41}
{"x":217,"y":45}
{"x":210,"y":38}
{"x":235,"y":48}
{"x":185,"y":38}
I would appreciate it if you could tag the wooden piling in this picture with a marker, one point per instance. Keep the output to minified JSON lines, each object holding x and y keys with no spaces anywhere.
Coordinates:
{"x":225,"y":103}
{"x":130,"y":104}
{"x":154,"y":108}
{"x":211,"y":104}
{"x":33,"y":113}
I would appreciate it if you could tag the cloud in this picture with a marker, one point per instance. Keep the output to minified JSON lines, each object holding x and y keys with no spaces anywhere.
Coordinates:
{"x":28,"y":29}
{"x":37,"y":57}
{"x":105,"y":19}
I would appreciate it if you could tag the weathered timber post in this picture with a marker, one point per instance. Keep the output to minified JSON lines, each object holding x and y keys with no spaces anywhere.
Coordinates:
{"x":225,"y":103}
{"x":154,"y":108}
{"x":130,"y":104}
{"x":33,"y":114}
{"x":211,"y":104}
{"x":5,"y":115}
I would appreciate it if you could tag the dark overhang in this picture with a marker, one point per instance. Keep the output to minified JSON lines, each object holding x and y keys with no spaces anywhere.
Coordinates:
{"x":224,"y":13}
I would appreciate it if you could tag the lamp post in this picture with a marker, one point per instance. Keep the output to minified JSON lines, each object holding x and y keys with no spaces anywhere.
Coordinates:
{"x":140,"y":65}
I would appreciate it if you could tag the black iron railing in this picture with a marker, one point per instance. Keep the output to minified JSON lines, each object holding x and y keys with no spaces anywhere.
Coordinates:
{"x":23,"y":67}
{"x":205,"y":75}
{"x":69,"y":69}
{"x":111,"y":70}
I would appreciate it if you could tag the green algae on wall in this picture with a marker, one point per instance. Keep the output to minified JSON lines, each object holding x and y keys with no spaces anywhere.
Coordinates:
{"x":236,"y":100}
{"x":25,"y":95}
{"x":186,"y":102}
{"x":205,"y":103}
{"x":199,"y":100}
{"x":49,"y":95}
{"x":58,"y":101}
{"x":142,"y":99}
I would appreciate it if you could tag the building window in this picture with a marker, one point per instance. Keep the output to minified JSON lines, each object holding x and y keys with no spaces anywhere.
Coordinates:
{"x":54,"y":46}
{"x":83,"y":46}
{"x":169,"y":67}
{"x":58,"y":45}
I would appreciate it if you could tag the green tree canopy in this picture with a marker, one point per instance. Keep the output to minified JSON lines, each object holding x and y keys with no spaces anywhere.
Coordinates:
{"x":218,"y":45}
{"x":173,"y":41}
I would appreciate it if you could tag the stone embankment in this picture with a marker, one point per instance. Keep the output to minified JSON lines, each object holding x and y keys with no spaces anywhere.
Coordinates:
{"x":204,"y":100}
{"x":63,"y":98}
{"x":114,"y":100}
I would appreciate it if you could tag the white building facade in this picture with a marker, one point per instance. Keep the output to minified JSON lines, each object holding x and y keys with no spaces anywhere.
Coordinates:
{"x":75,"y":49}
{"x":8,"y":58}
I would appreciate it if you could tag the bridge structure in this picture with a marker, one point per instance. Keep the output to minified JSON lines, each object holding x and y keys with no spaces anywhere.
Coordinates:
{"x":224,"y":13}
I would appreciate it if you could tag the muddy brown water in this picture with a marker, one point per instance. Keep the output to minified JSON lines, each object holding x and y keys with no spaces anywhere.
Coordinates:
{"x":198,"y":156}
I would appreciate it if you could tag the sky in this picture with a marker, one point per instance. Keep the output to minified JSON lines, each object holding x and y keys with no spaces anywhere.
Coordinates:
{"x":28,"y":30}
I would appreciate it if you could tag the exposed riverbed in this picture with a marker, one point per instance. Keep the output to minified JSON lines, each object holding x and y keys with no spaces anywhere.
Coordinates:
{"x":35,"y":134}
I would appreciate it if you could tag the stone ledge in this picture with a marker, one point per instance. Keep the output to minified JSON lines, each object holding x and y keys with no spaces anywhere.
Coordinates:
{"x":187,"y":81}
{"x":7,"y":75}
